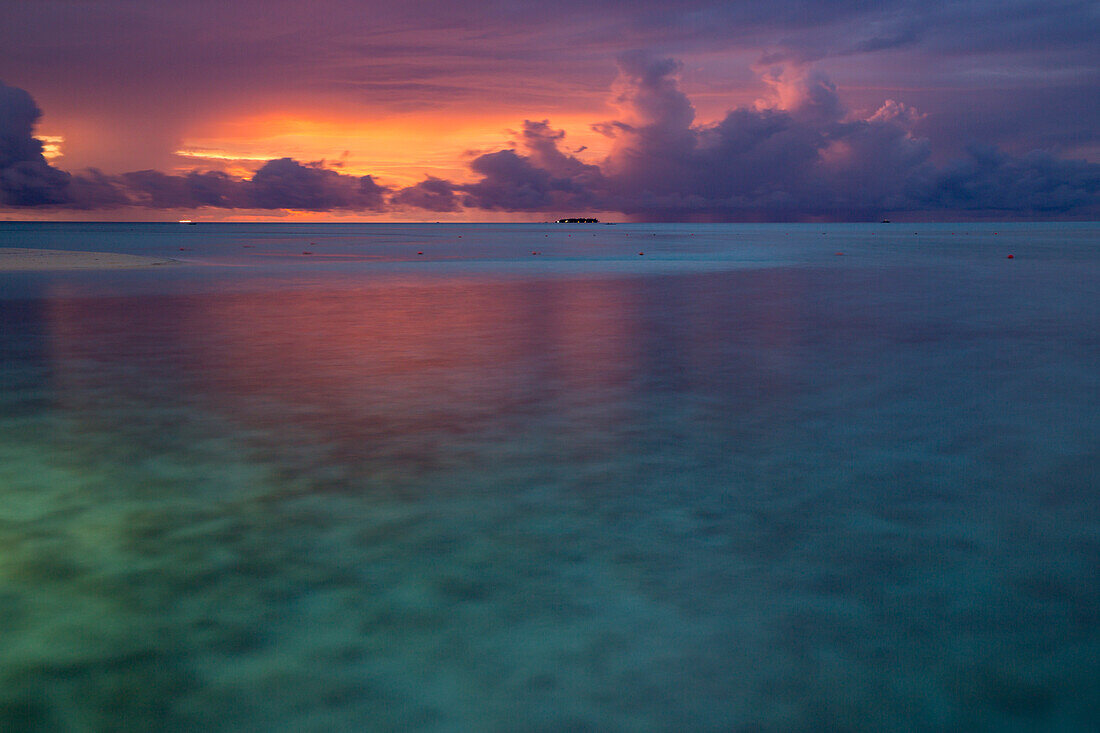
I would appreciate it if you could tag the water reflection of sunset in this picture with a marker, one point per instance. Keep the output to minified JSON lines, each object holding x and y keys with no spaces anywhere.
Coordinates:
{"x":398,"y":356}
{"x":545,"y":484}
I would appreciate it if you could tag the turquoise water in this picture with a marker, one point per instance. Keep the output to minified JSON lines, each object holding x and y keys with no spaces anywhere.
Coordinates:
{"x":737,"y":482}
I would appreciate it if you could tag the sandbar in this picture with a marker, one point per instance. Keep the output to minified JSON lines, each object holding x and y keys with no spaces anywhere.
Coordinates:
{"x":15,"y":259}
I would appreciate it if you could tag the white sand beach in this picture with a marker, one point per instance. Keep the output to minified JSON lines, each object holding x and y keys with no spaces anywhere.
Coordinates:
{"x":23,"y":260}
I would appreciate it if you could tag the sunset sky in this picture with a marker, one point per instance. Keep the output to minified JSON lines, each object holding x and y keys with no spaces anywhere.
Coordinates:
{"x":710,"y":110}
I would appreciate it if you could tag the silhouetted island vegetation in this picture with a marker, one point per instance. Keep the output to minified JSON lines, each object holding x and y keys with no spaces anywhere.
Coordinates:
{"x":578,"y":221}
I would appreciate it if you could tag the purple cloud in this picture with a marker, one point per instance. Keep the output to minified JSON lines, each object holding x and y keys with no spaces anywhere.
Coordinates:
{"x":26,"y":179}
{"x":545,"y":179}
{"x":1036,"y":184}
{"x":431,"y":194}
{"x":162,"y":191}
{"x":803,"y":156}
{"x":806,"y":156}
{"x":287,"y":184}
{"x":200,"y":64}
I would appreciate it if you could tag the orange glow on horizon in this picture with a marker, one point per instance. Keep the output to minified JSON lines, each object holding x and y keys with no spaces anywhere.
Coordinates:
{"x":397,"y":151}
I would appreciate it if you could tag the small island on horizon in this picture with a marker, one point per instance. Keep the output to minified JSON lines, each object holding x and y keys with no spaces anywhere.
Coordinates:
{"x":578,"y":220}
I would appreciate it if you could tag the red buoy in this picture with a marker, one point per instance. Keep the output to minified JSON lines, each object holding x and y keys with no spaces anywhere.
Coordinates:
{"x":1010,"y":257}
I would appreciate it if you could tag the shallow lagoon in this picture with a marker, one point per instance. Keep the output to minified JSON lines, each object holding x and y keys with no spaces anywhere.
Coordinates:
{"x":737,"y":482}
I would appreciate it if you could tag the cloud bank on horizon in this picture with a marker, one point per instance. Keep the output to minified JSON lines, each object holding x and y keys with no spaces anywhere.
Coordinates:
{"x":800,"y":155}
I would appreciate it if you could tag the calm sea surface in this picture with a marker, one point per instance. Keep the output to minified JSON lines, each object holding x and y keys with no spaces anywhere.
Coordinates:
{"x":738,"y":482}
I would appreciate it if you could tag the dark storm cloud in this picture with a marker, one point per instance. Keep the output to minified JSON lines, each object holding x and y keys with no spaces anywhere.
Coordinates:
{"x":1035,"y":184}
{"x":287,"y":184}
{"x":93,"y":189}
{"x":18,"y":115}
{"x":278,"y":184}
{"x":545,"y":179}
{"x":26,"y":179}
{"x":512,"y":182}
{"x":162,"y":191}
{"x":431,"y":194}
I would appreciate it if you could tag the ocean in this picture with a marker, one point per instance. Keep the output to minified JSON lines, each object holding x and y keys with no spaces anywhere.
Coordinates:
{"x":641,"y":477}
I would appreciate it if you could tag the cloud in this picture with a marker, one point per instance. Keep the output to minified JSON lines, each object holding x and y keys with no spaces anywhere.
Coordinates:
{"x":26,"y":179}
{"x":799,"y":154}
{"x":431,"y":194}
{"x":1036,"y":184}
{"x":543,"y":179}
{"x":162,"y":191}
{"x":93,"y":189}
{"x":283,"y":183}
{"x":978,"y":65}
{"x":287,"y":184}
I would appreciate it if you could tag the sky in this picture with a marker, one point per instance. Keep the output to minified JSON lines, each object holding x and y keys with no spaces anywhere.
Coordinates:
{"x":425,"y":110}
